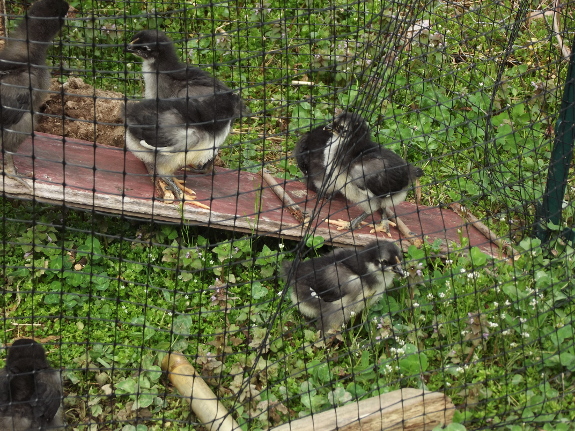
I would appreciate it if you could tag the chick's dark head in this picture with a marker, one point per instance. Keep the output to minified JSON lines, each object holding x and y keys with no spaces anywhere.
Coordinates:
{"x":48,"y":9}
{"x":149,"y":44}
{"x":385,"y":254}
{"x":26,"y":355}
{"x":350,"y":124}
{"x":44,"y":20}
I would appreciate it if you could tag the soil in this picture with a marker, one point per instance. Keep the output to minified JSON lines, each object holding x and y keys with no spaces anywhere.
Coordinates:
{"x":78,"y":110}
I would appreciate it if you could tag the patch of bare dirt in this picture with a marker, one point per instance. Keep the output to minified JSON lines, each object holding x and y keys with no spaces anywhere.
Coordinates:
{"x":81,"y":111}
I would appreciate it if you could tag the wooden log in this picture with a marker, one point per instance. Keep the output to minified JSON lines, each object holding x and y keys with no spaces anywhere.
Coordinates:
{"x":404,"y":409}
{"x":210,"y":412}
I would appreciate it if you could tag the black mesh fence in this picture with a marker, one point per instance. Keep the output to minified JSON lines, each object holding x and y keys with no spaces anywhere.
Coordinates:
{"x":461,"y":316}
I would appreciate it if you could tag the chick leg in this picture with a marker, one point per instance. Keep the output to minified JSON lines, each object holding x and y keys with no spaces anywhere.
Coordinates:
{"x":357,"y":221}
{"x":207,"y":167}
{"x":383,"y":225}
{"x":159,"y":184}
{"x":10,"y":170}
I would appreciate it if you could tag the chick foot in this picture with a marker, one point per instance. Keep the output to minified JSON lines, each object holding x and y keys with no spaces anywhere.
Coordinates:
{"x":343,"y":224}
{"x":188,"y":194}
{"x":383,"y":226}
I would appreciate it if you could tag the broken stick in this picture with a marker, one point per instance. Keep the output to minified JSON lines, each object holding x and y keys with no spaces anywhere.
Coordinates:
{"x":488,"y":233}
{"x":403,"y":229}
{"x":287,"y":201}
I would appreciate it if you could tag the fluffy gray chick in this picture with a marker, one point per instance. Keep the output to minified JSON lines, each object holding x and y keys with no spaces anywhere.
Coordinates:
{"x":186,"y":116}
{"x":30,"y":390}
{"x":332,"y":288}
{"x":24,"y":77}
{"x":342,"y":158}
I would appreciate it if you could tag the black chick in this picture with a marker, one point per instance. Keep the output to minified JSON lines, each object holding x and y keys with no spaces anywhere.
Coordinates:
{"x":187,"y":129}
{"x":309,"y":152}
{"x":30,"y":390}
{"x":334,"y":287}
{"x":373,"y":177}
{"x":24,"y":77}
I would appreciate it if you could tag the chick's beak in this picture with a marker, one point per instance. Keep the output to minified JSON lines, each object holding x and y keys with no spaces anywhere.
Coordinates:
{"x":398,"y":270}
{"x":130,"y":47}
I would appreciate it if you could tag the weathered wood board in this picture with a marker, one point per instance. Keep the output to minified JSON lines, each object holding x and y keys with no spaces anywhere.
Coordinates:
{"x":111,"y":180}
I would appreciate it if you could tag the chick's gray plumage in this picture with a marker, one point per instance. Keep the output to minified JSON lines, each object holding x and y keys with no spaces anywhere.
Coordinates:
{"x":30,"y":390}
{"x":24,"y":77}
{"x":309,"y":152}
{"x":342,"y":158}
{"x":333,"y":287}
{"x":187,"y":113}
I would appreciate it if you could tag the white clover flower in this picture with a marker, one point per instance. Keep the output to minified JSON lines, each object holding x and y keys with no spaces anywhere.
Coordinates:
{"x":513,"y":345}
{"x":430,"y":296}
{"x":448,"y":261}
{"x":415,"y":305}
{"x":495,"y":304}
{"x":503,"y":315}
{"x":441,"y":295}
{"x":506,"y":332}
{"x":492,"y":324}
{"x":400,"y":341}
{"x":525,"y":334}
{"x":507,"y":303}
{"x":462,"y":270}
{"x":522,"y":320}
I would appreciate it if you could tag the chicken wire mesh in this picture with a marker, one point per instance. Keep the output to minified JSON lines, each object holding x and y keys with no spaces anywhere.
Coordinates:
{"x":111,"y":278}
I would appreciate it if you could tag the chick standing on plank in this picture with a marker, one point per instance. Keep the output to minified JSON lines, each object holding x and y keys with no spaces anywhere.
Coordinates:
{"x":334,"y":287}
{"x":30,"y":390}
{"x":24,"y":77}
{"x":186,"y":129}
{"x":373,"y":177}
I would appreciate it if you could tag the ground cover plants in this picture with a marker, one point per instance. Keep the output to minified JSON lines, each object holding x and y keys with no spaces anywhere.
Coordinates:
{"x":476,"y":112}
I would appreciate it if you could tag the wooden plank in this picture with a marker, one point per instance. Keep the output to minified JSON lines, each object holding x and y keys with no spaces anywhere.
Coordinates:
{"x":106,"y":179}
{"x":403,"y":409}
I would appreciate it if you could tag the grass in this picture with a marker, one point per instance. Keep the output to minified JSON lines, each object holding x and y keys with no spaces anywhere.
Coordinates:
{"x":116,"y":294}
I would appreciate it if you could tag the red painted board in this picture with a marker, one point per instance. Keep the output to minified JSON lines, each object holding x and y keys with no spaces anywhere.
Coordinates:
{"x":108,"y":178}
